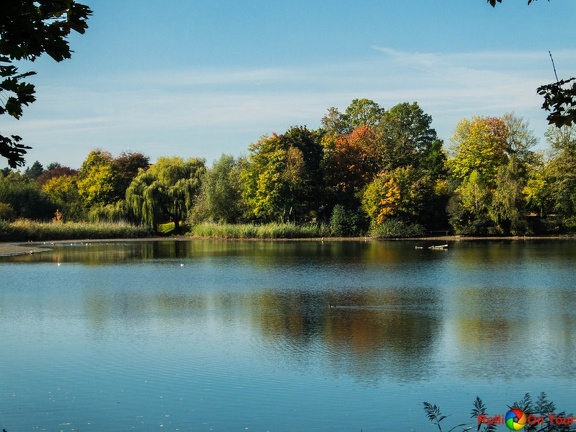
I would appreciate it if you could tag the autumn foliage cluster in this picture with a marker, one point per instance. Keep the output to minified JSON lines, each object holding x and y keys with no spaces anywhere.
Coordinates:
{"x":367,"y":170}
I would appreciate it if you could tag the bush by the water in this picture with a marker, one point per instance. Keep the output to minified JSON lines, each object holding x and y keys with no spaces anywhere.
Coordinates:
{"x":25,"y":230}
{"x":344,"y":222}
{"x":265,"y":231}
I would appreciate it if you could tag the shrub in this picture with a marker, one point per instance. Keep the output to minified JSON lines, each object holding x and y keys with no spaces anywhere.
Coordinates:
{"x":397,"y":228}
{"x":344,"y":222}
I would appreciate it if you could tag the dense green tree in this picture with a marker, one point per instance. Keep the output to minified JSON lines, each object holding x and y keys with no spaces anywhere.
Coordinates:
{"x":360,"y":112}
{"x":536,"y":191}
{"x":266,"y":188}
{"x":103,"y":179}
{"x":28,"y":29}
{"x":407,"y":138}
{"x":469,"y":207}
{"x":96,"y":179}
{"x":520,"y":142}
{"x":507,"y":209}
{"x":35,"y":170}
{"x":492,"y":154}
{"x":25,"y":197}
{"x":561,"y":172}
{"x":126,"y":166}
{"x":479,"y":145}
{"x":63,"y":192}
{"x":282,"y":178}
{"x":166,"y":191}
{"x":220,"y":198}
{"x":308,"y":142}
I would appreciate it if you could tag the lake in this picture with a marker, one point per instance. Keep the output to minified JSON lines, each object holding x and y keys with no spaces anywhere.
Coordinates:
{"x":282,"y":336}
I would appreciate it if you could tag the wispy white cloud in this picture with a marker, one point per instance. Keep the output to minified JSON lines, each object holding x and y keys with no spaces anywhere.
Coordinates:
{"x":207,"y":112}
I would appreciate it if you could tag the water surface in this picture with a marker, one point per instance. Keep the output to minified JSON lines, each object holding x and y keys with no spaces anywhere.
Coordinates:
{"x":281,"y":336}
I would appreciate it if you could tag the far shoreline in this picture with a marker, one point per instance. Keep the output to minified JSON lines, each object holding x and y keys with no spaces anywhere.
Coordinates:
{"x":15,"y":248}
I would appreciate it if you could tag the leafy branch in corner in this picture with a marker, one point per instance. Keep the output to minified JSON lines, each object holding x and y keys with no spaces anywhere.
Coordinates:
{"x":559,"y":97}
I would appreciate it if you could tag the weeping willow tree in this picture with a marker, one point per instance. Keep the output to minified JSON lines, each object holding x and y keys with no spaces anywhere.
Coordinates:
{"x":166,"y":191}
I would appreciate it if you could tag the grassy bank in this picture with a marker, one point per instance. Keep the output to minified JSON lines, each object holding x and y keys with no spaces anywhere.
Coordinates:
{"x":265,"y":231}
{"x":26,"y":230}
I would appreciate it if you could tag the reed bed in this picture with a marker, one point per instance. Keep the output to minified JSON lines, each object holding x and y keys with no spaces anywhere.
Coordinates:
{"x":27,"y":230}
{"x":265,"y":231}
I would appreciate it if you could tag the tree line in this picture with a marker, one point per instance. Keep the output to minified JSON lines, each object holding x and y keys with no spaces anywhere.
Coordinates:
{"x":367,"y":170}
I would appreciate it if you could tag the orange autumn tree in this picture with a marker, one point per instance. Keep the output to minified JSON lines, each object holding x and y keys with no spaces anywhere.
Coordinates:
{"x":352,"y":160}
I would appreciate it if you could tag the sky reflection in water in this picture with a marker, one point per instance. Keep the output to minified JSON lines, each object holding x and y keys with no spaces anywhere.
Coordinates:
{"x":281,"y":336}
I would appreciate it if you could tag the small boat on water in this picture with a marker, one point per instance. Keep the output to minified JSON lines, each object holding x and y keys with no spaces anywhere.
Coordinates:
{"x":438,"y":247}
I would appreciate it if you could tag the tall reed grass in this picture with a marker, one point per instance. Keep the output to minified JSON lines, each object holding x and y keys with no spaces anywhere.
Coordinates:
{"x":25,"y":230}
{"x":265,"y":231}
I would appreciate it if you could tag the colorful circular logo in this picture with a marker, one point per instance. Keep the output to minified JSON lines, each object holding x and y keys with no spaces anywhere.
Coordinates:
{"x":516,"y":419}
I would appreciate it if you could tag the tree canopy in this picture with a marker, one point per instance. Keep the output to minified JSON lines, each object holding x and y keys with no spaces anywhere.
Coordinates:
{"x":28,"y":29}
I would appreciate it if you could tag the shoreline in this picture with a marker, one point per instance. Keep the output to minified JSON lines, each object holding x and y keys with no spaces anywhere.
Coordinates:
{"x":8,"y":249}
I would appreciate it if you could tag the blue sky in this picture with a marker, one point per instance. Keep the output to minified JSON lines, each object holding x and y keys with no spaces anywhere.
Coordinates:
{"x":197,"y":78}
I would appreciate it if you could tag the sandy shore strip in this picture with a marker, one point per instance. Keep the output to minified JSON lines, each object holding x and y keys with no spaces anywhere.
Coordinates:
{"x":11,"y":249}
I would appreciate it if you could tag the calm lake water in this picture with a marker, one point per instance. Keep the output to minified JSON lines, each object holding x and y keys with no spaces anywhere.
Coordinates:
{"x":282,"y":336}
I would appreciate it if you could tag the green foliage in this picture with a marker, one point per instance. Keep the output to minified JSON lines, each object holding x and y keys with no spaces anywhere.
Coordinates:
{"x":362,"y":112}
{"x":7,"y":213}
{"x":395,"y":228}
{"x":561,"y":171}
{"x":367,"y":168}
{"x":479,"y":145}
{"x":469,"y":207}
{"x":507,"y":209}
{"x":28,"y":29}
{"x":25,"y":197}
{"x":166,"y":191}
{"x":108,"y":213}
{"x":282,"y":178}
{"x":407,"y":138}
{"x":63,"y":192}
{"x":96,"y":179}
{"x":491,"y":162}
{"x":125,"y":167}
{"x":34,"y":171}
{"x":103,"y":180}
{"x":560,"y":100}
{"x":344,"y":222}
{"x":220,"y":198}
